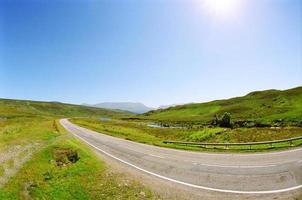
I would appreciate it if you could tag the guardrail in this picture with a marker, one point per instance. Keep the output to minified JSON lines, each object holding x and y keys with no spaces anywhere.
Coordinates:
{"x":269,"y":144}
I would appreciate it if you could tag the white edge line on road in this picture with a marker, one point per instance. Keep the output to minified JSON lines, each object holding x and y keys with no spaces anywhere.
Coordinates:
{"x":189,"y":184}
{"x":234,"y":166}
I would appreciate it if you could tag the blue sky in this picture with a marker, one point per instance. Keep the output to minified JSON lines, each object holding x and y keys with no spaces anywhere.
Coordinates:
{"x":154,"y":52}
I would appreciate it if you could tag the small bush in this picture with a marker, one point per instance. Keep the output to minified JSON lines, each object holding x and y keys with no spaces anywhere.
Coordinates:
{"x":223,"y":121}
{"x":204,"y":135}
{"x":65,"y":156}
{"x":226,"y":120}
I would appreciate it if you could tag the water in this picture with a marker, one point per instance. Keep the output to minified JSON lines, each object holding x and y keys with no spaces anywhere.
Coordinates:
{"x":104,"y":118}
{"x":153,"y":125}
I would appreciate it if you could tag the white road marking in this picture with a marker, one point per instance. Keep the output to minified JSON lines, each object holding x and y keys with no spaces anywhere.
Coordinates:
{"x":189,"y":184}
{"x":235,"y":166}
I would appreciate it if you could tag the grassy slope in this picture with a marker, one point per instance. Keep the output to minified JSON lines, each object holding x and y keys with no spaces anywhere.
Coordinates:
{"x":11,"y":108}
{"x":23,"y":122}
{"x":31,"y":128}
{"x":88,"y":178}
{"x":266,"y":105}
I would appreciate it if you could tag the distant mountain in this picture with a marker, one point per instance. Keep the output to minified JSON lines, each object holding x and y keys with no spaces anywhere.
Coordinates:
{"x":126,"y":106}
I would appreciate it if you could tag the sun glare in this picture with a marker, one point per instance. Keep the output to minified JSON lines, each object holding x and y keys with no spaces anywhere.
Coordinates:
{"x":222,"y":7}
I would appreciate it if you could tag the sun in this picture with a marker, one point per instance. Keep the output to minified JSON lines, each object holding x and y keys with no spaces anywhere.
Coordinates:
{"x":222,"y":7}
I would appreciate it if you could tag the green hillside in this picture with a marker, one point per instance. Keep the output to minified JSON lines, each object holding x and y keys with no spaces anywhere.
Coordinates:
{"x":36,"y":151}
{"x":11,"y":108}
{"x":23,"y":122}
{"x":264,"y":106}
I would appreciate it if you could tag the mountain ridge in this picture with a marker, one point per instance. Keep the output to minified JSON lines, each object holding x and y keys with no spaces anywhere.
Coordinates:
{"x":134,"y":107}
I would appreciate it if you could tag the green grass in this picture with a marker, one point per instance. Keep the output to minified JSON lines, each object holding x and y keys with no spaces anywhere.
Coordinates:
{"x":88,"y":178}
{"x":264,"y":106}
{"x":140,"y":132}
{"x":22,"y":131}
{"x":241,"y":135}
{"x":32,"y":128}
{"x":17,"y":108}
{"x":122,"y":129}
{"x":204,"y":135}
{"x":1,"y":170}
{"x":23,"y":122}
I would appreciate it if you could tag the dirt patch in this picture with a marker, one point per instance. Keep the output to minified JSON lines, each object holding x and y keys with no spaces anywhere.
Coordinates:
{"x":28,"y":187}
{"x":65,"y":156}
{"x":12,"y":159}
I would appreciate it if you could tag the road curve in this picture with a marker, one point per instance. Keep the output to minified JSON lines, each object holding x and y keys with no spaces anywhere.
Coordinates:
{"x":257,"y":173}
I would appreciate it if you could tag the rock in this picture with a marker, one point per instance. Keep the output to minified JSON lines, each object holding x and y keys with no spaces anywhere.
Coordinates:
{"x":142,"y":193}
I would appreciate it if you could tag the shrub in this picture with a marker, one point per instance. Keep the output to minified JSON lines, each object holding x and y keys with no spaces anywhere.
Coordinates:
{"x":64,"y":156}
{"x":223,"y":121}
{"x":226,"y":120}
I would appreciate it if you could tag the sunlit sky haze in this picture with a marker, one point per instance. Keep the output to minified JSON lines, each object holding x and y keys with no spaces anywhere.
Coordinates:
{"x":155,"y":52}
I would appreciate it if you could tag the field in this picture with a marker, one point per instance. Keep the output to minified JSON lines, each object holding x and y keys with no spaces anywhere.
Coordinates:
{"x":140,"y":132}
{"x":39,"y":160}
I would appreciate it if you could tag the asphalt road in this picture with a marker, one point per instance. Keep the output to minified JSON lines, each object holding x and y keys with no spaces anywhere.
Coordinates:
{"x":265,"y":174}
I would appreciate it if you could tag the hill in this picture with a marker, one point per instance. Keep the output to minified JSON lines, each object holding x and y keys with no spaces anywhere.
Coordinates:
{"x":168,"y":106}
{"x":11,"y":108}
{"x":39,"y":160}
{"x":126,"y":106}
{"x":265,"y":106}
